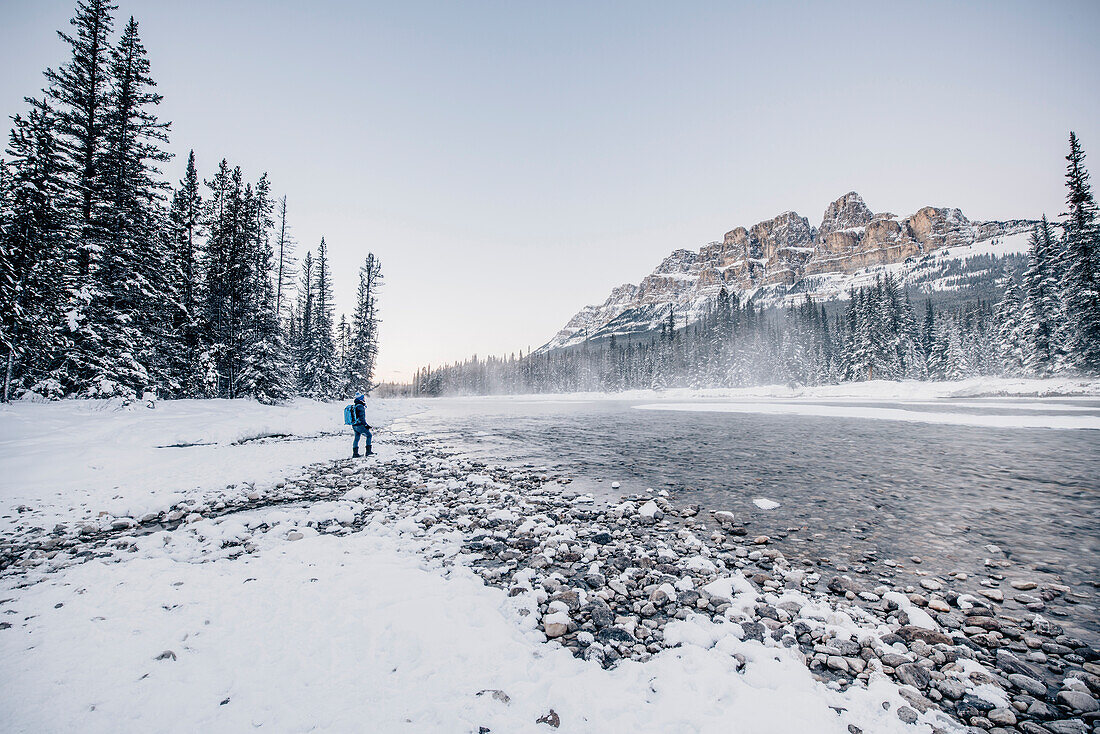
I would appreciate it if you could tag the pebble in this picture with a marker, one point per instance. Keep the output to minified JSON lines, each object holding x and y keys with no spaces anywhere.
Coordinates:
{"x":1078,"y":701}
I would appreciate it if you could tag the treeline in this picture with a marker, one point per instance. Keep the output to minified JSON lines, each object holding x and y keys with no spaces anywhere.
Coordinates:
{"x":1047,"y":323}
{"x":113,"y":283}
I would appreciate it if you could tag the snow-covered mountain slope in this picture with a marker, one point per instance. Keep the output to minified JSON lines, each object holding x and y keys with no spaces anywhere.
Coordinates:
{"x":784,"y":259}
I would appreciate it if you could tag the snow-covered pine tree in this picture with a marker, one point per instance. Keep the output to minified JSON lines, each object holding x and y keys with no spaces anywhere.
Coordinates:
{"x":1041,"y":304}
{"x":302,"y":344}
{"x":226,"y":269}
{"x":285,"y":262}
{"x":1081,"y":276}
{"x":185,"y":371}
{"x":130,"y":297}
{"x":1011,"y":337}
{"x":363,"y":337}
{"x":34,"y":219}
{"x":265,"y":370}
{"x":322,"y":378}
{"x":80,"y":90}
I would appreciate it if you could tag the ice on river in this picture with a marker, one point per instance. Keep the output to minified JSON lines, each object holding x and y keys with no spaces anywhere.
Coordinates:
{"x":1027,"y":417}
{"x":765,"y":504}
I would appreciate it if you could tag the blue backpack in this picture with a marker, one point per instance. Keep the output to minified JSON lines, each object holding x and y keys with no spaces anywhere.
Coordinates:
{"x":349,"y":415}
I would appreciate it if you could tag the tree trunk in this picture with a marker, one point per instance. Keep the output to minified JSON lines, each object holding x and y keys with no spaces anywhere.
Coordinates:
{"x":7,"y":375}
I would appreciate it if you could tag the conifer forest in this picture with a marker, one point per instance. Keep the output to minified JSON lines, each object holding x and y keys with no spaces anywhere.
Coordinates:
{"x":115,"y":283}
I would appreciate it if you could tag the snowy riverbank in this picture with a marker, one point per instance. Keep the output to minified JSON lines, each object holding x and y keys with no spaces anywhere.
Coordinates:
{"x":417,"y":592}
{"x":976,"y":387}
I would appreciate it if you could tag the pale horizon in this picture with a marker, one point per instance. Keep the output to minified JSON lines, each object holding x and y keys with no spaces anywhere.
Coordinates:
{"x":511,"y":164}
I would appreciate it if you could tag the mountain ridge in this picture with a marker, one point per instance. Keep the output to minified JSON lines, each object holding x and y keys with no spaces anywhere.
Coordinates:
{"x":772,"y":258}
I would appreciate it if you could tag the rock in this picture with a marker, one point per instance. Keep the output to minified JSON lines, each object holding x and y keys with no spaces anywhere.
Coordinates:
{"x":724,"y":518}
{"x":556,"y":624}
{"x":1028,"y":684}
{"x":977,"y":702}
{"x":614,"y":634}
{"x":915,"y":699}
{"x":1023,"y":585}
{"x":498,"y":695}
{"x":595,"y":580}
{"x":835,"y":662}
{"x":908,"y":715}
{"x":600,"y":613}
{"x":603,"y":538}
{"x":951,"y":688}
{"x":932,"y":637}
{"x":1009,"y":663}
{"x":1078,"y":701}
{"x":550,"y":719}
{"x":166,"y":655}
{"x":1002,"y":717}
{"x":1042,"y":710}
{"x":842,"y":585}
{"x":294,"y":535}
{"x":847,"y":648}
{"x":1067,"y":726}
{"x":993,"y":594}
{"x":761,"y":540}
{"x":914,"y":675}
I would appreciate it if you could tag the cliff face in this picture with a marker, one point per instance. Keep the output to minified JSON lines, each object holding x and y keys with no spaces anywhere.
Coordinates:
{"x":782,"y":251}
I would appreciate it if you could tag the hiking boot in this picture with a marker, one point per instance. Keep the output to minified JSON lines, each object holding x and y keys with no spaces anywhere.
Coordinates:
{"x":368,"y":451}
{"x":355,"y":453}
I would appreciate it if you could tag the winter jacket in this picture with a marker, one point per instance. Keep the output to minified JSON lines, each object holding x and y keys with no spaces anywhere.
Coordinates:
{"x":360,"y":411}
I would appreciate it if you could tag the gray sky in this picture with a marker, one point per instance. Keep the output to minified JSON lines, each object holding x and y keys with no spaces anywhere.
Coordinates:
{"x":511,"y":162}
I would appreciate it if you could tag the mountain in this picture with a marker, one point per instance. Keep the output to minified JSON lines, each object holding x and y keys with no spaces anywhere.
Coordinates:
{"x":784,"y":259}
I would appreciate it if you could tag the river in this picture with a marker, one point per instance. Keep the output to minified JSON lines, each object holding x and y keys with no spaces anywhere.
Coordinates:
{"x":962,"y":485}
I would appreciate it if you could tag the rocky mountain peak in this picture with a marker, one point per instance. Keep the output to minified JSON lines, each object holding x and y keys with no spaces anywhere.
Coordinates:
{"x":846,"y":212}
{"x":781,"y":255}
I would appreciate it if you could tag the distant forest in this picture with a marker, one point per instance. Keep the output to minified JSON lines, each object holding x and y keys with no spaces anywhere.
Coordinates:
{"x":1047,"y":322}
{"x":114,"y":284}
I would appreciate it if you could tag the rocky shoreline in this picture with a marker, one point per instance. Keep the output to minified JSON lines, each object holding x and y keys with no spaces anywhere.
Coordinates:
{"x":606,"y":579}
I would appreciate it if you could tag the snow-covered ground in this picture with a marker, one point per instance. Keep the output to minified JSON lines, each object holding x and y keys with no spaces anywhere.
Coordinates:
{"x":72,"y":460}
{"x":358,"y":633}
{"x":350,"y":631}
{"x":976,"y":387}
{"x":317,"y":633}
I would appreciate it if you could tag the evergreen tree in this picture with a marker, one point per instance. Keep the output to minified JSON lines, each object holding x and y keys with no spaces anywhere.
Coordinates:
{"x":1011,"y":331}
{"x":265,"y":370}
{"x":129,"y":297}
{"x":185,"y":293}
{"x":1041,"y":305}
{"x":80,"y":88}
{"x":226,"y":269}
{"x":285,"y":262}
{"x":322,"y":379}
{"x":1081,"y":278}
{"x":302,"y":344}
{"x":33,"y":242}
{"x":362,"y":348}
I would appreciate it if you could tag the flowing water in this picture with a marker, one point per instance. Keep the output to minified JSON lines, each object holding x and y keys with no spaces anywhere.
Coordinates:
{"x":852,"y":490}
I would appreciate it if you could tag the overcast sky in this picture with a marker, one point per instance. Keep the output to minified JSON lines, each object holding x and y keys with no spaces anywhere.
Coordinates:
{"x":511,"y":162}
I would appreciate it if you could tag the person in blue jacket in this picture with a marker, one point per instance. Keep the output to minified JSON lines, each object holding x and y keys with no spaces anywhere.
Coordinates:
{"x":360,"y":426}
